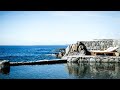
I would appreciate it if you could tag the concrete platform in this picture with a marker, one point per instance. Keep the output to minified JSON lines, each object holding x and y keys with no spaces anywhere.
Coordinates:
{"x":39,"y":62}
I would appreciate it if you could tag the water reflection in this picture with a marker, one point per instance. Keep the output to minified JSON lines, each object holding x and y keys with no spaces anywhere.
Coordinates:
{"x":94,"y":70}
{"x":75,"y":70}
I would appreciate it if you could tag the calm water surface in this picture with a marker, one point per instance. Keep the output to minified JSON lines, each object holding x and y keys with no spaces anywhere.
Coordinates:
{"x":63,"y":71}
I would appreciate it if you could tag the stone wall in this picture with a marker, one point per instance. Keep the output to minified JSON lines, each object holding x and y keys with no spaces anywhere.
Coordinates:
{"x":97,"y":59}
{"x":96,"y":44}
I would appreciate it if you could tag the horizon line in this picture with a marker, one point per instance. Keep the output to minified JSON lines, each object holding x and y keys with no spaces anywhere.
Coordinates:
{"x":37,"y":45}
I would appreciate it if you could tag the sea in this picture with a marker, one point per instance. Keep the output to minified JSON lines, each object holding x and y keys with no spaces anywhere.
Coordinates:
{"x":52,"y":71}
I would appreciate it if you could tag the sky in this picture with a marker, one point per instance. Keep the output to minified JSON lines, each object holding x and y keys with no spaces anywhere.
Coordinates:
{"x":57,"y":27}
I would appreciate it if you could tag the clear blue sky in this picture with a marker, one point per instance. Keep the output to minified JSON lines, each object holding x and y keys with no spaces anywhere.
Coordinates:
{"x":57,"y":27}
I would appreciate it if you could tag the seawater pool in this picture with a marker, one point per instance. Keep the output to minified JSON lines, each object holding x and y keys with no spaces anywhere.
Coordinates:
{"x":52,"y":71}
{"x":63,"y":71}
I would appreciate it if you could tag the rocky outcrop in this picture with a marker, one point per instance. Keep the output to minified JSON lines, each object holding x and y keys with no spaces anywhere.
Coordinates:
{"x":4,"y":63}
{"x":75,"y":49}
{"x":84,"y":47}
{"x":60,"y":52}
{"x":4,"y":66}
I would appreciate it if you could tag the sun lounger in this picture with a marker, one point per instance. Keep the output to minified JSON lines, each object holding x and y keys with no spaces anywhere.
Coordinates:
{"x":110,"y":50}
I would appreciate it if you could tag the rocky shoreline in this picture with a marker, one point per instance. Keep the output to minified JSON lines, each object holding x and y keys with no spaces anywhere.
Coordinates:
{"x":79,"y":52}
{"x":94,"y":59}
{"x":83,"y":48}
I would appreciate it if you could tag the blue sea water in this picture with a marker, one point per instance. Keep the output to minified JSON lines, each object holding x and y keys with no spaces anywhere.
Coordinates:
{"x":28,"y":53}
{"x":52,"y":71}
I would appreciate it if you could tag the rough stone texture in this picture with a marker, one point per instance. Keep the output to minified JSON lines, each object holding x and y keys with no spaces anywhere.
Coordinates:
{"x":98,"y":44}
{"x":76,"y":49}
{"x":94,"y":59}
{"x":83,"y":47}
{"x":4,"y":66}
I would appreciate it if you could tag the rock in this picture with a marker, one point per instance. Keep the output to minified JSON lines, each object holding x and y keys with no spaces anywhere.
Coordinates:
{"x":67,"y":50}
{"x":5,"y":66}
{"x":84,"y":47}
